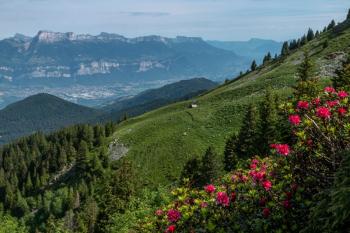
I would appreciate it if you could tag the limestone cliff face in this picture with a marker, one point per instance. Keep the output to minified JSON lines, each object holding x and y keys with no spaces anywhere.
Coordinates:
{"x":69,"y":56}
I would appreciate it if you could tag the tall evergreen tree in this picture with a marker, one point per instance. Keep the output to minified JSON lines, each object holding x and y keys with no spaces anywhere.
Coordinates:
{"x":267,"y":58}
{"x":325,"y":44}
{"x":331,"y":25}
{"x":82,"y":157}
{"x":348,"y":16}
{"x":268,"y":131}
{"x":310,"y":35}
{"x":208,"y":170}
{"x":253,"y":66}
{"x":303,"y":40}
{"x":342,"y":78}
{"x":317,"y":34}
{"x":247,"y":137}
{"x":191,"y":171}
{"x":285,"y":49}
{"x":230,"y":155}
{"x":306,"y":84}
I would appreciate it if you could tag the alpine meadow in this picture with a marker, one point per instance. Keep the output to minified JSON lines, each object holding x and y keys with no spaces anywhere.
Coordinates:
{"x":175,"y":134}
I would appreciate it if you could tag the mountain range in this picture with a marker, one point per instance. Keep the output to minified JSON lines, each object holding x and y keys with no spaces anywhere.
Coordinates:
{"x":253,"y":49}
{"x":91,"y":70}
{"x":66,"y":58}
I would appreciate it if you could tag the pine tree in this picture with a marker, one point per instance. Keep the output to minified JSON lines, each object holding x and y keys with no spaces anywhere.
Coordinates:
{"x":208,"y":170}
{"x":29,"y":184}
{"x":247,"y":137}
{"x":191,"y":171}
{"x":267,"y":58}
{"x":325,"y":44}
{"x":348,"y":16}
{"x":303,"y":40}
{"x":285,"y":49}
{"x":342,"y":78}
{"x":317,"y":34}
{"x":304,"y":71}
{"x":268,"y":131}
{"x":82,"y":157}
{"x":306,"y":84}
{"x":253,"y":66}
{"x":310,"y":35}
{"x":230,"y":155}
{"x":331,"y":25}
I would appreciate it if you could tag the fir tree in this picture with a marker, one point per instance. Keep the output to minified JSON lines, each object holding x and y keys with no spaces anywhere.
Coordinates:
{"x":348,"y":16}
{"x":253,"y":66}
{"x":230,"y":155}
{"x":267,"y":58}
{"x":342,"y":78}
{"x":303,"y":40}
{"x":268,"y":131}
{"x":208,"y":170}
{"x":317,"y":34}
{"x":191,"y":171}
{"x":310,"y":35}
{"x":82,"y":157}
{"x":247,"y":137}
{"x":325,"y":44}
{"x":331,"y":25}
{"x":285,"y":49}
{"x":306,"y":84}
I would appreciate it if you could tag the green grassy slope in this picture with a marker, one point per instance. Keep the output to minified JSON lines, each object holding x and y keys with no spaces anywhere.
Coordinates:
{"x":161,"y":141}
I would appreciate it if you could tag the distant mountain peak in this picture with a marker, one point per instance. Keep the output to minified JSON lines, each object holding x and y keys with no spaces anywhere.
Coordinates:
{"x":52,"y":37}
{"x":45,"y":36}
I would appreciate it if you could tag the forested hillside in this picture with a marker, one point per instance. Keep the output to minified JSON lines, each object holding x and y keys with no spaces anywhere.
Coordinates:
{"x":265,"y":152}
{"x":42,"y":112}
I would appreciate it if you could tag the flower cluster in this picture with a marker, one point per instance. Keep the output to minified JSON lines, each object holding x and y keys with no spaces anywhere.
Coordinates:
{"x":260,"y":189}
{"x":282,"y":149}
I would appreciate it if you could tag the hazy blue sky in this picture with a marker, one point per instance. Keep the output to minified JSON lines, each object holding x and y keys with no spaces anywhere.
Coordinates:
{"x":211,"y":19}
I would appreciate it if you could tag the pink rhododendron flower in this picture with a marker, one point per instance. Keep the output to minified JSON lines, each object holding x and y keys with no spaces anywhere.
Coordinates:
{"x":210,"y":188}
{"x":342,"y":94}
{"x":171,"y":229}
{"x":267,"y":185}
{"x":316,"y":101}
{"x":282,"y":149}
{"x":159,"y":212}
{"x":309,"y":142}
{"x":332,"y":103}
{"x":243,"y":178}
{"x":173,"y":215}
{"x":323,"y":112}
{"x":303,"y":104}
{"x":255,"y":161}
{"x":222,"y":199}
{"x":294,"y":119}
{"x":253,"y":166}
{"x":342,"y":111}
{"x":266,"y":212}
{"x":204,"y":205}
{"x":329,"y":90}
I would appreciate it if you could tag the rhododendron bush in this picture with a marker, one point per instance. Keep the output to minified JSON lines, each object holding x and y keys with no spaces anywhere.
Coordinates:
{"x":321,"y":130}
{"x":271,"y":194}
{"x":257,"y":199}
